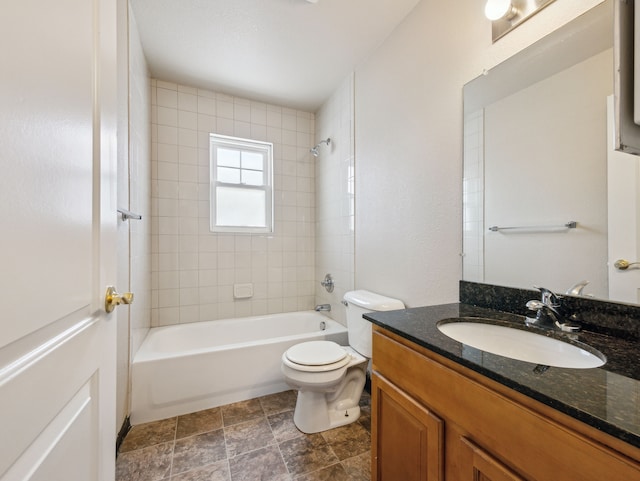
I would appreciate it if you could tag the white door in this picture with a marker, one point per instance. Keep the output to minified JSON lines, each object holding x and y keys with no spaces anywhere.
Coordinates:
{"x":623,"y":191}
{"x":57,"y":241}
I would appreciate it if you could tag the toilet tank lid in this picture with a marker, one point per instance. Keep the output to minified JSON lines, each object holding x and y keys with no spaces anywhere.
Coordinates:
{"x":372,"y":301}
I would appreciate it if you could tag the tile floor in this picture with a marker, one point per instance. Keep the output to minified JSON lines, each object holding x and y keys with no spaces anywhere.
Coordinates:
{"x":253,"y":440}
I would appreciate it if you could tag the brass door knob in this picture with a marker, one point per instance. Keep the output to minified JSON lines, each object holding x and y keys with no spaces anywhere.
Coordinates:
{"x":113,"y":299}
{"x":623,"y":264}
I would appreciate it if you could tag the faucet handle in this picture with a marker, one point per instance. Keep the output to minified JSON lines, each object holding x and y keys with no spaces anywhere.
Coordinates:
{"x":577,"y":288}
{"x":534,"y":305}
{"x":548,"y":297}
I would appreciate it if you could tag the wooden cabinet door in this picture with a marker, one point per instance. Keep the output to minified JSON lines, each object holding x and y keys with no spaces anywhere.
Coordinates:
{"x":478,"y":465}
{"x":408,"y":438}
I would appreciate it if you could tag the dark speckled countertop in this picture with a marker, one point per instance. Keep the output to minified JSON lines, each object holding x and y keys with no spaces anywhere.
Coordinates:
{"x":607,"y":398}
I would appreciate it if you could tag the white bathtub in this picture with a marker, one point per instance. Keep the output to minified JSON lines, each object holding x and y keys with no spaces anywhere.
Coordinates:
{"x":189,"y":367}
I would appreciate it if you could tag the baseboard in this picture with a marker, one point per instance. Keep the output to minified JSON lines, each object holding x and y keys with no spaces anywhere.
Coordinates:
{"x":126,"y":427}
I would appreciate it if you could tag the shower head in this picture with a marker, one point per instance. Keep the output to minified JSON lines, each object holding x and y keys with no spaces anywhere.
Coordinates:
{"x":314,"y":150}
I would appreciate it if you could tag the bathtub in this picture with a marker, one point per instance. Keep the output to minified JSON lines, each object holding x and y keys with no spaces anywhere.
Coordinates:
{"x":185,"y":368}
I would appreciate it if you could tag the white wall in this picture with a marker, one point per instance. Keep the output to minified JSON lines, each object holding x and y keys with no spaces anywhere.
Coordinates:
{"x":408,"y":137}
{"x":194,"y":269}
{"x":335,"y":198}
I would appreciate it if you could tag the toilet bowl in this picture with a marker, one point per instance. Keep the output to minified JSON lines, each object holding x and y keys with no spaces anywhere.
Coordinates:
{"x":329,"y":387}
{"x":330,"y":378}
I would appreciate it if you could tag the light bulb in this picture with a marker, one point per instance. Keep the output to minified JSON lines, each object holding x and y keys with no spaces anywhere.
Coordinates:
{"x":497,"y":9}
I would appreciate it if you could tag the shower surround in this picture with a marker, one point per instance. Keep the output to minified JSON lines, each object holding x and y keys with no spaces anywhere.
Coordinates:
{"x":193,"y":269}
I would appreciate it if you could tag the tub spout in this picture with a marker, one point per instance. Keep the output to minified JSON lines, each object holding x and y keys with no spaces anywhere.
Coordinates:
{"x":323,"y":307}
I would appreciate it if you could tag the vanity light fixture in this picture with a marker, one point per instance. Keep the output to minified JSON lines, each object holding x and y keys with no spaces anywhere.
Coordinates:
{"x":497,"y":9}
{"x":505,"y":15}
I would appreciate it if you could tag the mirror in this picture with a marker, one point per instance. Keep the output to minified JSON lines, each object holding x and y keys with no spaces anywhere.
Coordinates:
{"x":535,"y":159}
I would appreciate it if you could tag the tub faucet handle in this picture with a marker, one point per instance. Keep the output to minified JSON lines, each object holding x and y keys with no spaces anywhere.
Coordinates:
{"x":327,"y":283}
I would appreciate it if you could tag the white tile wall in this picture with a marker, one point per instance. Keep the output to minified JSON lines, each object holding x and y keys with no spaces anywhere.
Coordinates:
{"x":193,"y":269}
{"x":335,"y":198}
{"x":473,"y":197}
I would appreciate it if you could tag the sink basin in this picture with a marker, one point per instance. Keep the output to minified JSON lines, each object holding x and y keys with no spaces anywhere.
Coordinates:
{"x":519,"y":344}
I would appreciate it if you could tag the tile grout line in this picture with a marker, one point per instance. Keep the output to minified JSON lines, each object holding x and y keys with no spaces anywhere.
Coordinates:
{"x":173,"y":448}
{"x":277,"y":442}
{"x":224,"y":433}
{"x":192,"y":435}
{"x":282,"y":458}
{"x":226,"y":447}
{"x":224,"y":436}
{"x":291,"y":476}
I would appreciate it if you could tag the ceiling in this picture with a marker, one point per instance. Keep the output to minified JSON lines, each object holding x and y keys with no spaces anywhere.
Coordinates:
{"x":292,"y":53}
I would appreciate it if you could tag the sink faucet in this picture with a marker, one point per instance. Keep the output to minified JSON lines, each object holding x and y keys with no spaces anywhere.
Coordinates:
{"x":323,"y":307}
{"x":549,"y":314}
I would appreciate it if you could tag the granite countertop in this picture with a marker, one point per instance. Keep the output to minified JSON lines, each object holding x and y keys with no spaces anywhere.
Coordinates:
{"x":607,"y":398}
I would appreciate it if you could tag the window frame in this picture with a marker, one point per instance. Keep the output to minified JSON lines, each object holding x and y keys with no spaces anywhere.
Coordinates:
{"x":247,"y":145}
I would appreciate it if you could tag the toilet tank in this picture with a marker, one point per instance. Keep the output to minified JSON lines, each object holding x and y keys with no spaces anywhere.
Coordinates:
{"x":358,"y":303}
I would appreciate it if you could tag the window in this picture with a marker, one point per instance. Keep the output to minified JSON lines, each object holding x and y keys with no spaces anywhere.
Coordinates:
{"x":241,"y":187}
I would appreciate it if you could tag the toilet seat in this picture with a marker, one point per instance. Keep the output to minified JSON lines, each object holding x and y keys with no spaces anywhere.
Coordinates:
{"x":316,"y":353}
{"x":314,"y":356}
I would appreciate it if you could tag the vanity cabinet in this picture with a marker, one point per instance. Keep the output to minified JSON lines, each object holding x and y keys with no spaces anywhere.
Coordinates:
{"x":435,"y":420}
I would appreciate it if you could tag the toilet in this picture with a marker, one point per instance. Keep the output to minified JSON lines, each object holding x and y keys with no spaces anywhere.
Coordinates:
{"x":330,"y":378}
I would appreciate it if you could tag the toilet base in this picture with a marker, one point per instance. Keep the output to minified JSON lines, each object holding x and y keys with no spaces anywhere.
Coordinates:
{"x":320,"y":411}
{"x":312,"y":416}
